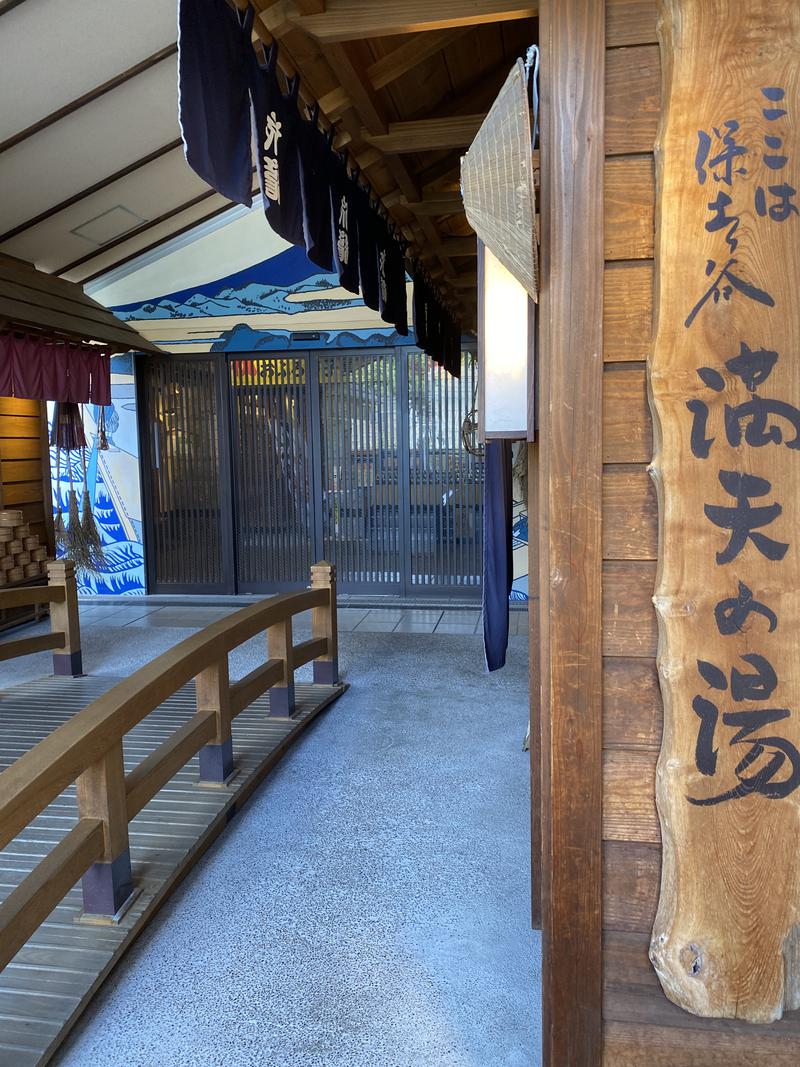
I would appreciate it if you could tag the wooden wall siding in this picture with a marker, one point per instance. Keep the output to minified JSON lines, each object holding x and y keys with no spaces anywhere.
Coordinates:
{"x":630,"y":22}
{"x":629,"y":207}
{"x":627,"y":311}
{"x":640,"y":1025}
{"x":633,"y":99}
{"x":630,"y":513}
{"x":23,"y":454}
{"x":627,"y":426}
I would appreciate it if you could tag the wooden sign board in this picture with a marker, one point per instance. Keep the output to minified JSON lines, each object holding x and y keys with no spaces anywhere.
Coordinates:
{"x":725,"y":393}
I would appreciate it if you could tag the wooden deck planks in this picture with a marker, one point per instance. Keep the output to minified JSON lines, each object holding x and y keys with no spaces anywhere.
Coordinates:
{"x":53,"y":977}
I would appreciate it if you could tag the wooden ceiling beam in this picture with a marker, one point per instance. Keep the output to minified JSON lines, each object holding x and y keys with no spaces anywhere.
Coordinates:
{"x":445,"y":204}
{"x":90,"y":97}
{"x":348,"y":20}
{"x":410,"y":54}
{"x":136,"y":231}
{"x":335,"y":103}
{"x":427,"y":135}
{"x":91,"y":190}
{"x":366,"y":103}
{"x":370,"y":113}
{"x":455,"y":246}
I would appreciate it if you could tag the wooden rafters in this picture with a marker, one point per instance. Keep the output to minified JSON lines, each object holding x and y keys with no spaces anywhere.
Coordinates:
{"x":348,"y":20}
{"x":427,"y":135}
{"x":410,"y":54}
{"x":365,"y":104}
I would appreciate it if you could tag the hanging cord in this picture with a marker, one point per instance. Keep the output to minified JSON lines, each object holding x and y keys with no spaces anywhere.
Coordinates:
{"x":102,"y":433}
{"x":469,"y":427}
{"x":532,"y":61}
{"x":92,"y":541}
{"x":60,"y":529}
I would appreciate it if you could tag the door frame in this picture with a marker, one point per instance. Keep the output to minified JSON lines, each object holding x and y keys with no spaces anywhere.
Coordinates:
{"x":147,"y":464}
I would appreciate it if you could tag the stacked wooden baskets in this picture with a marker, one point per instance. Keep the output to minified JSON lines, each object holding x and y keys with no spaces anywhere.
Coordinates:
{"x":21,"y":555}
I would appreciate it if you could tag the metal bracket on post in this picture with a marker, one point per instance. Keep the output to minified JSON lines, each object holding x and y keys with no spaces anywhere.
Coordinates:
{"x":323,"y":624}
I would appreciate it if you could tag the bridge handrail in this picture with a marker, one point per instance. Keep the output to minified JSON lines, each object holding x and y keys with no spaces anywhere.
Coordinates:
{"x":87,"y":749}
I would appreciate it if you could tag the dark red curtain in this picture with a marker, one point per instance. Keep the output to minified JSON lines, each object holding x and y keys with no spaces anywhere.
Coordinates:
{"x":33,"y":368}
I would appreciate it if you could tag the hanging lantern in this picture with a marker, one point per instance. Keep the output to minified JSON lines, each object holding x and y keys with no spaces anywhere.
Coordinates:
{"x":505,"y":333}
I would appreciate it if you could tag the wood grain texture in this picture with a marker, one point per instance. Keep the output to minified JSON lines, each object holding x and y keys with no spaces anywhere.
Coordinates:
{"x":633,"y":99}
{"x":572,"y":35}
{"x":629,"y":208}
{"x":629,"y":619}
{"x":632,"y":710}
{"x":629,"y":803}
{"x":631,"y":873}
{"x":630,"y":513}
{"x":627,"y":424}
{"x":631,"y":22}
{"x":535,"y":695}
{"x":726,"y":941}
{"x":36,"y":896}
{"x":349,"y":20}
{"x":627,"y":311}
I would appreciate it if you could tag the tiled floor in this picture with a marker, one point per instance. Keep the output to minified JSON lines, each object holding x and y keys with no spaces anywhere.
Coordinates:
{"x":371,"y":620}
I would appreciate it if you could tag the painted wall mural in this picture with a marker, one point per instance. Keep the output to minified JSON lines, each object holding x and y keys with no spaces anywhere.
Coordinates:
{"x":229,"y":286}
{"x":112,"y":482}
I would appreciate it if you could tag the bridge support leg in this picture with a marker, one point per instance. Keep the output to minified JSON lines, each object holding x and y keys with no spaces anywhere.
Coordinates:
{"x":323,"y":624}
{"x":279,"y":645}
{"x":107,"y":885}
{"x":213,"y":692}
{"x":64,"y":618}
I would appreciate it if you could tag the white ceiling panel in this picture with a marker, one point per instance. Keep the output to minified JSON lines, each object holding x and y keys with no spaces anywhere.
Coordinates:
{"x":162,"y":232}
{"x":154,"y":190}
{"x":54,"y":51}
{"x":98,"y":139}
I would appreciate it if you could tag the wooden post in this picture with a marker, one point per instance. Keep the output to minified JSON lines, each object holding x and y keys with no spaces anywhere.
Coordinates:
{"x":64,"y":618}
{"x":323,"y":624}
{"x":108,"y":884}
{"x":572,"y":35}
{"x":213,"y":693}
{"x":279,"y":645}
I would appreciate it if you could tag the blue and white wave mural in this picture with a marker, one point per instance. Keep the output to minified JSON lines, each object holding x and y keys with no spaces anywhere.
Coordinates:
{"x":112,"y":482}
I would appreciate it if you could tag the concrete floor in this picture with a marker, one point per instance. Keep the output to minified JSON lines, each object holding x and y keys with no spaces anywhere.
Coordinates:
{"x":370,"y":905}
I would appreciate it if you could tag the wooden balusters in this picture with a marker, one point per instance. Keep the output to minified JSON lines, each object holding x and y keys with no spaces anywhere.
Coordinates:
{"x":279,"y":645}
{"x":64,"y":618}
{"x":101,"y":788}
{"x":213,"y":693}
{"x":323,"y":624}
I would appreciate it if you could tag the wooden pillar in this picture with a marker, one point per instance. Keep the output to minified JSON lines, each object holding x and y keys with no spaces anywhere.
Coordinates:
{"x":279,"y":645}
{"x":323,"y":624}
{"x":101,"y":795}
{"x":535,"y":683}
{"x":212,"y":693}
{"x":572,"y":37}
{"x":64,"y":618}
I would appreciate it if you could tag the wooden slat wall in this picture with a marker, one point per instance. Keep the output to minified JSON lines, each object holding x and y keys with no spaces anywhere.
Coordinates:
{"x":640,"y":1024}
{"x":23,"y":459}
